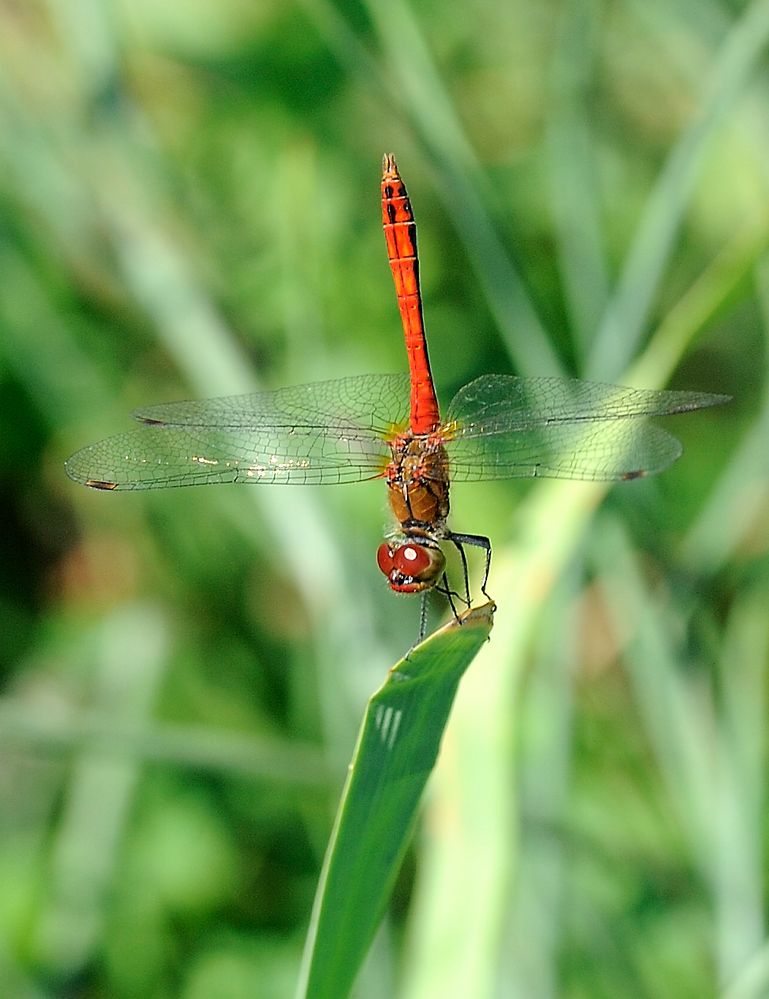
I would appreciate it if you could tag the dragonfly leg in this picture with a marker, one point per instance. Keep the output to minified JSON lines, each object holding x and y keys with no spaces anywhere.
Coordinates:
{"x":479,"y":541}
{"x":465,"y":571}
{"x":422,"y":617}
{"x":449,"y":594}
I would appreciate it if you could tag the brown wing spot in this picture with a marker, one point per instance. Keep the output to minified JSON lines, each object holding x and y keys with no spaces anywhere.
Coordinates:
{"x":100,"y":484}
{"x":638,"y":473}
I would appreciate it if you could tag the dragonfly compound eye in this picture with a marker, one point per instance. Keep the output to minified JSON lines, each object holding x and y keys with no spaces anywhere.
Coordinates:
{"x":414,"y":560}
{"x":384,"y":558}
{"x":410,"y":567}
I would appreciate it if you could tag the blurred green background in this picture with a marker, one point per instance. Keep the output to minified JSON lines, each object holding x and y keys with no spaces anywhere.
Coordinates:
{"x":189,"y":208}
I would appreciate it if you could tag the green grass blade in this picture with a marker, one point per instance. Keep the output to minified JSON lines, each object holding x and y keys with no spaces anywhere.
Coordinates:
{"x":396,"y":751}
{"x":618,"y":336}
{"x":573,"y":167}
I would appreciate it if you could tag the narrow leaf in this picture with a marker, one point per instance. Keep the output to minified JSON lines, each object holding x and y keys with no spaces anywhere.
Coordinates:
{"x":395,"y":754}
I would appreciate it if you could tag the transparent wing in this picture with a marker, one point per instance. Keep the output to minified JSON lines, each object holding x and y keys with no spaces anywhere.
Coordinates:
{"x":326,"y":432}
{"x":368,"y":402}
{"x":500,"y":426}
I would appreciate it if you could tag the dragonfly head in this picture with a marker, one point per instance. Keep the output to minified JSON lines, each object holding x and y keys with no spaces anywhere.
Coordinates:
{"x":411,"y":566}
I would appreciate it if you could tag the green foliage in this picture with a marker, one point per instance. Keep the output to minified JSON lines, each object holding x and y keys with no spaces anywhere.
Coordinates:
{"x":189,"y":207}
{"x":395,"y":754}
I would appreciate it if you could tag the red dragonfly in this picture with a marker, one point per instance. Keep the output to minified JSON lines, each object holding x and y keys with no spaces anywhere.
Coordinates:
{"x":389,"y":427}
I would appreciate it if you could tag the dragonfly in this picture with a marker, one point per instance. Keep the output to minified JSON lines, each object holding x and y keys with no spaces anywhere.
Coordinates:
{"x":390,"y":427}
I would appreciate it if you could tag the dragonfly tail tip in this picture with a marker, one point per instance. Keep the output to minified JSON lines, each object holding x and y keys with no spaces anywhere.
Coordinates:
{"x":389,"y":166}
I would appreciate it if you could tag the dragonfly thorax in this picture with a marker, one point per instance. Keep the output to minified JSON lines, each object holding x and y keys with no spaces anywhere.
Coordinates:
{"x":418,"y":482}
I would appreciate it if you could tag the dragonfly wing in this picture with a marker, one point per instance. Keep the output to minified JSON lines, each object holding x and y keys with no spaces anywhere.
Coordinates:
{"x":589,"y":450}
{"x":372,"y":402}
{"x":157,"y":456}
{"x":505,"y":402}
{"x":505,"y":427}
{"x":325,"y":432}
